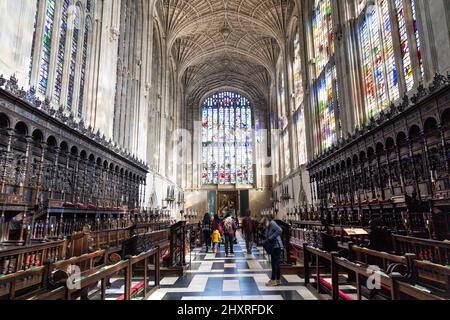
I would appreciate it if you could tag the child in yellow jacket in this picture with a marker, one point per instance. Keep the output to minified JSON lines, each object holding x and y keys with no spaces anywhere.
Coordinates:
{"x":216,"y":238}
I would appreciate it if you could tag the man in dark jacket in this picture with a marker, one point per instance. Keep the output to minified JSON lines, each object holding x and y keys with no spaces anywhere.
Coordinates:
{"x":229,"y":230}
{"x":249,"y":229}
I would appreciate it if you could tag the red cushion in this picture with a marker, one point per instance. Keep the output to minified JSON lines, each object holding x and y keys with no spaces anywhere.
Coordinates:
{"x":134,"y":290}
{"x":328,"y":285}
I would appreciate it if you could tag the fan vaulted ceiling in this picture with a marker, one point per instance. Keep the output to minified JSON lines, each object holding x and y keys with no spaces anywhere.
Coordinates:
{"x":225,"y":43}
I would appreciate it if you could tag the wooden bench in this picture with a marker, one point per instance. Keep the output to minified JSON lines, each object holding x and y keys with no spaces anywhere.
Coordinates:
{"x":430,"y":276}
{"x":392,"y":286}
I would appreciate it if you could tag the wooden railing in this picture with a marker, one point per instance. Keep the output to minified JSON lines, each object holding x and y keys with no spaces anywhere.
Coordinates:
{"x":144,"y":242}
{"x":371,"y":257}
{"x":435,"y":251}
{"x":82,"y":286}
{"x":24,"y":258}
{"x":38,"y":279}
{"x":109,"y":238}
{"x":38,"y":283}
{"x":434,"y":277}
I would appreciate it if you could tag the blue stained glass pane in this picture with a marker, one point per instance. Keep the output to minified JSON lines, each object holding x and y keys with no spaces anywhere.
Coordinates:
{"x":83,"y":71}
{"x":61,"y":51}
{"x":73,"y":57}
{"x":34,"y":37}
{"x":46,"y":47}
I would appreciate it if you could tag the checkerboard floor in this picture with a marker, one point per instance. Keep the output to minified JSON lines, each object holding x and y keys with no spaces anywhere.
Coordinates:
{"x":213,"y":276}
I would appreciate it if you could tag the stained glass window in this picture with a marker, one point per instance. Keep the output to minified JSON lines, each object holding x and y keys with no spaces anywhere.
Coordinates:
{"x":61,"y":51}
{"x":73,"y":57}
{"x":88,"y":5}
{"x":299,"y":95}
{"x":388,"y":45}
{"x":404,"y":45}
{"x":34,"y":36}
{"x":287,"y":153}
{"x":283,"y":122}
{"x":402,"y":17}
{"x":297,"y":72}
{"x":323,"y":34}
{"x":227,"y":140}
{"x":325,"y":83}
{"x":46,"y":46}
{"x":412,"y":3}
{"x":301,"y":136}
{"x":378,"y":58}
{"x":381,"y":68}
{"x":326,"y":100}
{"x":83,"y":70}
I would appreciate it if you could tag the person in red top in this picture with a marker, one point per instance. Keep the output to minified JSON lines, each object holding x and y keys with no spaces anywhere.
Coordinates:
{"x":249,"y":229}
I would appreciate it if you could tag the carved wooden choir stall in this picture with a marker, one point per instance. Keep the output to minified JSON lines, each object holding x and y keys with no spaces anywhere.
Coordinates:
{"x":72,"y":209}
{"x":382,"y":200}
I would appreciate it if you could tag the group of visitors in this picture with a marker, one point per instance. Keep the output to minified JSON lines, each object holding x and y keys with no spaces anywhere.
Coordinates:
{"x":217,"y":231}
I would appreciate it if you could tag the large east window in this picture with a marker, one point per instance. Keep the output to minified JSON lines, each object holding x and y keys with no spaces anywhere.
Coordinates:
{"x":227,"y":140}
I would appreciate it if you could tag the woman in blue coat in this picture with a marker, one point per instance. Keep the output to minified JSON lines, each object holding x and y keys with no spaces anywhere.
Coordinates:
{"x":273,"y":235}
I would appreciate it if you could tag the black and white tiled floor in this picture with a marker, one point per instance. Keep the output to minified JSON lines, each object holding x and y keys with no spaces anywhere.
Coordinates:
{"x":214,"y":276}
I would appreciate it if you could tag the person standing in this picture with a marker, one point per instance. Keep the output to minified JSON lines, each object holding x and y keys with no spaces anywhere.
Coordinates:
{"x":273,"y":236}
{"x":207,"y":230}
{"x":229,"y":230}
{"x":216,"y":237}
{"x":249,"y":231}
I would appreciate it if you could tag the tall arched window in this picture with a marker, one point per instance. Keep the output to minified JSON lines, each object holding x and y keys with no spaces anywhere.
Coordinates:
{"x":73,"y":57}
{"x":64,"y":66}
{"x":283,"y":123}
{"x":83,"y":69}
{"x":46,"y":46}
{"x":61,"y":51}
{"x":299,"y":94}
{"x":380,"y":70}
{"x":33,"y":44}
{"x":227,"y":140}
{"x":386,"y":73}
{"x":325,"y":77}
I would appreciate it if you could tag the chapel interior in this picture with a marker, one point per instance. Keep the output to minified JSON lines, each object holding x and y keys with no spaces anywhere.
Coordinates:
{"x":122,"y":122}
